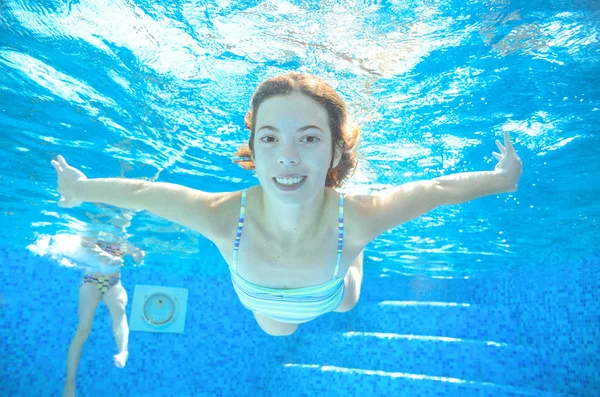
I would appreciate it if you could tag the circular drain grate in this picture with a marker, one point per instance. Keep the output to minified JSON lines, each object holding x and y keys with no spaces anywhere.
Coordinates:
{"x":159,"y":309}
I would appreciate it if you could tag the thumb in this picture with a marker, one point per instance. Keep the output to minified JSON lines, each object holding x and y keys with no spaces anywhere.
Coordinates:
{"x":64,"y":203}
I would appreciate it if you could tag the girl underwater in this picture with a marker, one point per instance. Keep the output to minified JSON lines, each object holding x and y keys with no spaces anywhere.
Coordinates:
{"x":292,"y":243}
{"x":102,"y":259}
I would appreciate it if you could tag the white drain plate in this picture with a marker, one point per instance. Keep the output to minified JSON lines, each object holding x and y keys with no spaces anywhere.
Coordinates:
{"x":158,"y":309}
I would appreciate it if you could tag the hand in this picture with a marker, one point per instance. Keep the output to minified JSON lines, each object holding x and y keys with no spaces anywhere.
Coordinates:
{"x":138,"y":256}
{"x":509,"y":165}
{"x":69,"y":182}
{"x":93,"y":252}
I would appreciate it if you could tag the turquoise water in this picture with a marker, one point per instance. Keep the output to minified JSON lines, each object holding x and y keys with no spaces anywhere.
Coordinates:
{"x":158,"y":90}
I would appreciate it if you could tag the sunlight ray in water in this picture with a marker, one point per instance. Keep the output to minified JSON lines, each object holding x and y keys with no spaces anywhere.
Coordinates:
{"x":478,"y":386}
{"x":422,"y":338}
{"x":422,"y":303}
{"x":371,"y":372}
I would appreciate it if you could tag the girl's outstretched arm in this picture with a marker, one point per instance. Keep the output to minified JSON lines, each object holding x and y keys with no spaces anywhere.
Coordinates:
{"x":395,"y":206}
{"x":189,"y":207}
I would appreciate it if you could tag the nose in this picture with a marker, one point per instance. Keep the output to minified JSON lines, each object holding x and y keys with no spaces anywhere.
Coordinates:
{"x":288,"y":155}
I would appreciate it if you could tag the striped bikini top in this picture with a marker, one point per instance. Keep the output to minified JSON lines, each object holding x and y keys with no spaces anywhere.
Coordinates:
{"x":290,"y":305}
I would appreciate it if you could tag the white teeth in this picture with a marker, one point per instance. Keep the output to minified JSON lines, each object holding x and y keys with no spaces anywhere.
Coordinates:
{"x":289,"y":181}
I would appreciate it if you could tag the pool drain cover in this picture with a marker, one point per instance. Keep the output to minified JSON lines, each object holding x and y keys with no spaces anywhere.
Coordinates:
{"x":159,"y":309}
{"x":156,"y":308}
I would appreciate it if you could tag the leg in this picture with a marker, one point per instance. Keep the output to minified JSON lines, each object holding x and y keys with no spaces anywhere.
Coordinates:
{"x":352,"y":284}
{"x":89,"y":296}
{"x":116,"y":301}
{"x":273,"y":327}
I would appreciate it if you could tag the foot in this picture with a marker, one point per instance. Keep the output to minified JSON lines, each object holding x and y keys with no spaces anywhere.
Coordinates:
{"x":121,"y":359}
{"x":69,"y":390}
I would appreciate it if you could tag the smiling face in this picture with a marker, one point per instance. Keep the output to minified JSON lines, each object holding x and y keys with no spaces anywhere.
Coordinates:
{"x":344,"y":133}
{"x":292,"y":147}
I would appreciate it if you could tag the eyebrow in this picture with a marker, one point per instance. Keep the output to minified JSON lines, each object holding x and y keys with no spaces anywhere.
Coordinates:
{"x":301,"y":129}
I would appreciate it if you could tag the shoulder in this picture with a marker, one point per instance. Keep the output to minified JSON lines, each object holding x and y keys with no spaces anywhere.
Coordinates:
{"x":358,"y":218}
{"x":227,"y":204}
{"x":226,"y":208}
{"x":230,"y":202}
{"x":226,"y":201}
{"x":359,"y":205}
{"x":373,"y":214}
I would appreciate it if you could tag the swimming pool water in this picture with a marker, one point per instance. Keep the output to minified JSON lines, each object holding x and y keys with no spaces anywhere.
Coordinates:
{"x":498,"y":297}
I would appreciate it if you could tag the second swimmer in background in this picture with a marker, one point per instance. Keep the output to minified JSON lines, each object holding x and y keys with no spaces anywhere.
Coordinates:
{"x":101,"y":282}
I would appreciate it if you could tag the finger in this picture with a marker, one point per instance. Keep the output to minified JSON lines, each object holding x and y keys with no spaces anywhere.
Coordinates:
{"x":93,"y":249}
{"x":64,"y":203}
{"x":56,"y":166}
{"x":102,"y":255}
{"x":507,"y":141}
{"x":107,"y":258}
{"x":62,"y":161}
{"x":498,"y":156}
{"x":500,"y":147}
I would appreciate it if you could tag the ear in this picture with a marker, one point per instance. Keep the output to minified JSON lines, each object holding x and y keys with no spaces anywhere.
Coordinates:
{"x":337,"y":156}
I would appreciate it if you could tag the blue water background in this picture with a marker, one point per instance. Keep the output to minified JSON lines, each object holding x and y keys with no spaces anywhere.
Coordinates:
{"x":158,"y":90}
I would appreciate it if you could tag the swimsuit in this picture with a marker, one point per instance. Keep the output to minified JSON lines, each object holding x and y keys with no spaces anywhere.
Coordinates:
{"x":111,"y":248}
{"x":104,"y":283}
{"x":290,"y":305}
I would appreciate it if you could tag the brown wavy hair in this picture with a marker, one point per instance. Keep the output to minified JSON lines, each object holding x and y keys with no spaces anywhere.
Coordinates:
{"x":343,"y":136}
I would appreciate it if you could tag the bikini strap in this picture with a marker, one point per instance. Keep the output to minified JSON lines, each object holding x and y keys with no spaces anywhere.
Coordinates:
{"x":238,"y":236}
{"x":340,"y":235}
{"x":236,"y":245}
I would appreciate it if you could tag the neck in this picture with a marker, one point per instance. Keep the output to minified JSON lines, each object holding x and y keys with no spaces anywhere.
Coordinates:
{"x":292,"y":222}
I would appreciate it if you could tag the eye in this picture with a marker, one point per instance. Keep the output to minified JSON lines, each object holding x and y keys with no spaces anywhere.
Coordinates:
{"x":311,"y":139}
{"x":267,"y":139}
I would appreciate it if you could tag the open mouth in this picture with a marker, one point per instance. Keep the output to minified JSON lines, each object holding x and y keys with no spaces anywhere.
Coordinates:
{"x":289,"y":183}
